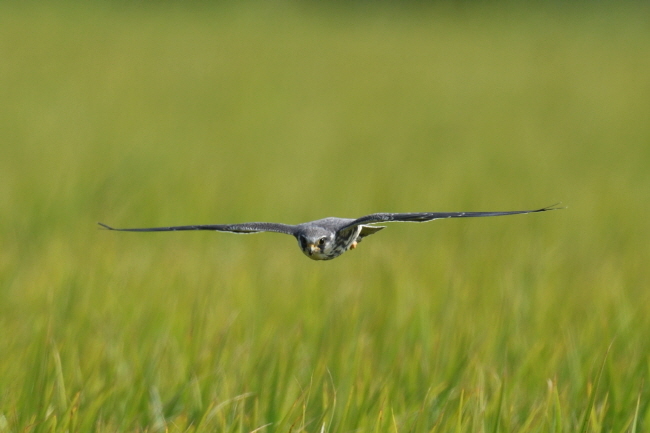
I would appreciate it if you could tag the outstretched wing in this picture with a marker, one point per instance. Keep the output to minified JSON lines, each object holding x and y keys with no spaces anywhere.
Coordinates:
{"x":429,"y":216}
{"x":244,"y":228}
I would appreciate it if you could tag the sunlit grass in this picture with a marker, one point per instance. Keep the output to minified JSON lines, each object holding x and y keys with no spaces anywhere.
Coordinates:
{"x":177,"y":114}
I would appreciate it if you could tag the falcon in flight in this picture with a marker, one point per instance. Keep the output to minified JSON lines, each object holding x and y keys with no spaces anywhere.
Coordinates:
{"x":328,"y":238}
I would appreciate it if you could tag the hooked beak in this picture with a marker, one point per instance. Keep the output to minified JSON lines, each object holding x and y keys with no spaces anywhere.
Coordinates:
{"x":312,"y":249}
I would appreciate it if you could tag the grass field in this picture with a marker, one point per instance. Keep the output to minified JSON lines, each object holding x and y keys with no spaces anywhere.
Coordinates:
{"x":179,"y":113}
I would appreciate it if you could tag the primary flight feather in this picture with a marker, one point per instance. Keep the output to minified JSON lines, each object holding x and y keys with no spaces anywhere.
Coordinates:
{"x":328,"y":238}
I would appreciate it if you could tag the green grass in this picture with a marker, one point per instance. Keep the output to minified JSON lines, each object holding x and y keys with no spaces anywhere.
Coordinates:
{"x":144,"y":115}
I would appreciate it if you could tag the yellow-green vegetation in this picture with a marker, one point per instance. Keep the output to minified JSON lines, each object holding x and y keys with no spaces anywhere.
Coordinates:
{"x":177,"y":113}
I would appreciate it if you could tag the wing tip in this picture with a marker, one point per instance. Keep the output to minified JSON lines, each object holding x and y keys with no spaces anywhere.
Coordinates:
{"x":105,"y":226}
{"x":555,"y":206}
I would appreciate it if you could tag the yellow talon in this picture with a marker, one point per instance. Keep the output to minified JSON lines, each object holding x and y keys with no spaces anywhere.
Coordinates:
{"x":353,"y":245}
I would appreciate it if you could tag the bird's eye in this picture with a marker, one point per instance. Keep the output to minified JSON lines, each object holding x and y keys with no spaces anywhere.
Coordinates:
{"x":321,"y":241}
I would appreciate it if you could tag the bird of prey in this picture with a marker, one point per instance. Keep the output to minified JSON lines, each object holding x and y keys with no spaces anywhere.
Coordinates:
{"x":328,"y":238}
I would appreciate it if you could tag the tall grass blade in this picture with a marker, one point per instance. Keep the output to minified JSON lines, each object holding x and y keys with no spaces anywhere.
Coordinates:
{"x":636,"y":414}
{"x":499,"y":408}
{"x":62,"y":399}
{"x":594,"y":391}
{"x":459,"y":419}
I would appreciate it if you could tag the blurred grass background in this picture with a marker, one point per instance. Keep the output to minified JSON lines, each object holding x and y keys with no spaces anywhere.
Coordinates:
{"x":179,"y":113}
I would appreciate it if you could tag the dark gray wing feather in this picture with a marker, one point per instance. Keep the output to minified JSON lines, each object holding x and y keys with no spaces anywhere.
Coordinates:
{"x":421,"y":217}
{"x":244,"y":228}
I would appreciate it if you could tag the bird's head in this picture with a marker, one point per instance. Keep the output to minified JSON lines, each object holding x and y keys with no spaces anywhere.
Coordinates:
{"x":317,"y":243}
